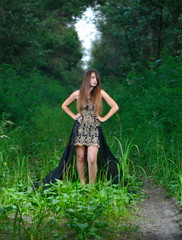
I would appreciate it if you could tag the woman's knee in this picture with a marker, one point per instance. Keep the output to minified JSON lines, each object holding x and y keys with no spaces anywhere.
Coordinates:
{"x":92,"y":160}
{"x":81,"y":158}
{"x":80,"y":154}
{"x":92,"y":155}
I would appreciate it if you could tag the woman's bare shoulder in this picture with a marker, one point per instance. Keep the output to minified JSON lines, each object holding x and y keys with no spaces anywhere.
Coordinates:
{"x":76,"y":93}
{"x":103,"y":93}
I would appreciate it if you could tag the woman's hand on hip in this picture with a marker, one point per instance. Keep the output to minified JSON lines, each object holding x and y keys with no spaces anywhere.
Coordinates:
{"x":77,"y":116}
{"x":101,"y":119}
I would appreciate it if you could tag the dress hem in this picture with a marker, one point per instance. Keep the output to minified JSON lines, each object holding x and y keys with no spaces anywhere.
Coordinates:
{"x":87,"y":145}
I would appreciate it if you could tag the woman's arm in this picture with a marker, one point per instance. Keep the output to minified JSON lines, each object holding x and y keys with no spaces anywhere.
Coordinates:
{"x":67,"y":102}
{"x":111,"y":103}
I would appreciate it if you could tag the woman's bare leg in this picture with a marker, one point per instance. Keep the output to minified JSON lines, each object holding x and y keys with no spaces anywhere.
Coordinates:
{"x":92,"y":163}
{"x":80,"y":162}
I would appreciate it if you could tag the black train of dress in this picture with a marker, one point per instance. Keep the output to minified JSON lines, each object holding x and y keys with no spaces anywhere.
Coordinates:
{"x":107,"y":161}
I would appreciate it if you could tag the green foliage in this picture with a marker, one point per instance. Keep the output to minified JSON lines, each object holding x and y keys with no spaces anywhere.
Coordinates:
{"x":22,"y":91}
{"x":137,"y":37}
{"x":41,"y":35}
{"x":19,"y":32}
{"x":151,"y":115}
{"x":134,"y":33}
{"x":68,"y":210}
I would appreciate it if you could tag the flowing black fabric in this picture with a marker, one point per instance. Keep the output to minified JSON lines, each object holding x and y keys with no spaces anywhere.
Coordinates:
{"x":107,"y":162}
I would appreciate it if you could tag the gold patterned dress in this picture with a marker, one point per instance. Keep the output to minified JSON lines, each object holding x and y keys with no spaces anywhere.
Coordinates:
{"x":88,"y":133}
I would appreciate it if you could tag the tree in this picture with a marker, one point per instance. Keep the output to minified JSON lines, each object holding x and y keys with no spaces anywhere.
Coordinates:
{"x":41,"y":34}
{"x":135,"y":33}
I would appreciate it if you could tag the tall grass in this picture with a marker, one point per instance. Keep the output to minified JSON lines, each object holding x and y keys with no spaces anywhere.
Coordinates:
{"x":151,"y":114}
{"x":67,"y":209}
{"x":126,"y":164}
{"x":165,"y":164}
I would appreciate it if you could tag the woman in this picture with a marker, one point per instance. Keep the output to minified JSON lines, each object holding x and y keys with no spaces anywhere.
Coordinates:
{"x":89,"y":105}
{"x":86,"y":135}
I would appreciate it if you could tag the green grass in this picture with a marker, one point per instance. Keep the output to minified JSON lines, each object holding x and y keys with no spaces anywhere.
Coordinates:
{"x":69,"y":210}
{"x":66,"y":210}
{"x":145,"y":135}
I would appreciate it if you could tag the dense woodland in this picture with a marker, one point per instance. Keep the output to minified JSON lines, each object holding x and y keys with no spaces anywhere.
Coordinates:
{"x":138,"y":55}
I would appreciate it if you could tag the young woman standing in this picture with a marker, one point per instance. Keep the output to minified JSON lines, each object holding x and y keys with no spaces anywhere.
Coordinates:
{"x":87,"y":137}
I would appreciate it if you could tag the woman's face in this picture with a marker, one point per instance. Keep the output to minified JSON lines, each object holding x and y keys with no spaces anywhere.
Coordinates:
{"x":93,"y":80}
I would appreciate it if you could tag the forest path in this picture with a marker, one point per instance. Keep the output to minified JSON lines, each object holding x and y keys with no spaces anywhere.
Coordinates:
{"x":158,"y":217}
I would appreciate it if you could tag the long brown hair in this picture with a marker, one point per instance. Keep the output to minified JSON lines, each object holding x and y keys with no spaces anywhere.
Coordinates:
{"x":95,"y":94}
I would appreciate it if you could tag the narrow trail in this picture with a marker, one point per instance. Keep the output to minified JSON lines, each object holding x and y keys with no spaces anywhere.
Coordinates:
{"x":159,"y":217}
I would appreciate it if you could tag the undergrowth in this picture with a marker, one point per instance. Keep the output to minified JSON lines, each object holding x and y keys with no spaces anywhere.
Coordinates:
{"x":65,"y":210}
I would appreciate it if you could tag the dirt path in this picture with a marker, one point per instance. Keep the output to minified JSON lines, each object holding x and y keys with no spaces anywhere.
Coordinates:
{"x":159,"y":217}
